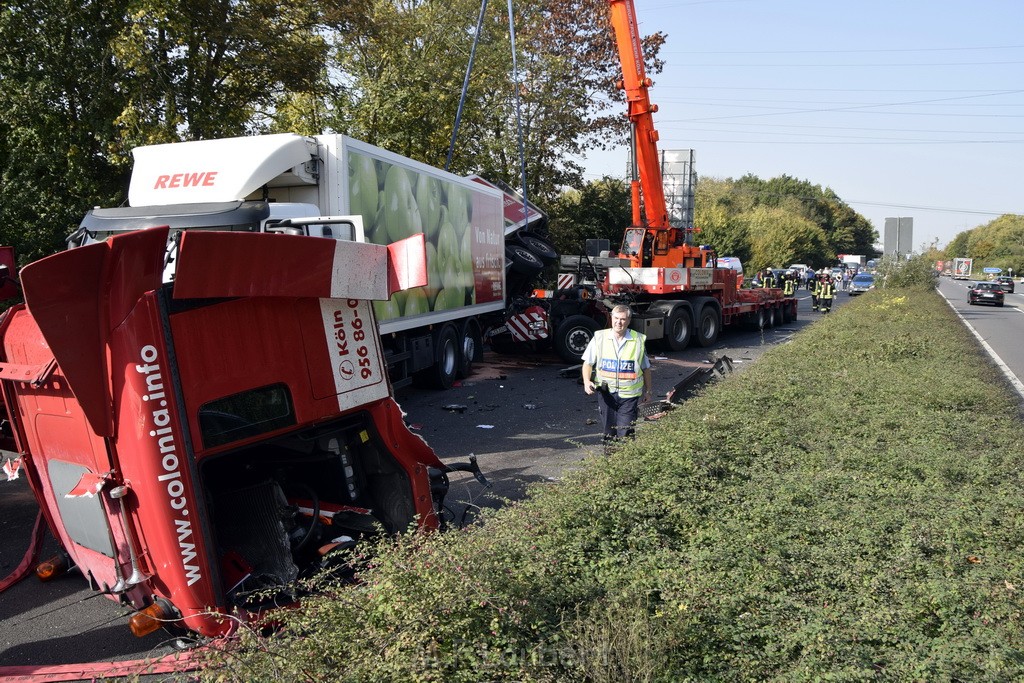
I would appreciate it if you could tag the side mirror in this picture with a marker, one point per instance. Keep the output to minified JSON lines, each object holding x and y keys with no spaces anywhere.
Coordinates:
{"x":9,"y":286}
{"x":285,"y":230}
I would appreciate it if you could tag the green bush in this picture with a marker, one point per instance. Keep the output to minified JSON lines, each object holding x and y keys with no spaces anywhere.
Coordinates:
{"x":917,"y":271}
{"x":847,"y":508}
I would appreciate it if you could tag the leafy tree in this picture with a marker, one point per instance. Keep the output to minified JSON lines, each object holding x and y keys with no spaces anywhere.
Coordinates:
{"x":197,"y":69}
{"x":779,"y":237}
{"x":957,"y":247}
{"x":717,"y":211}
{"x":600,"y":210}
{"x":59,"y":96}
{"x":401,"y":75}
{"x":774,"y":222}
{"x":845,"y":230}
{"x":999,"y":243}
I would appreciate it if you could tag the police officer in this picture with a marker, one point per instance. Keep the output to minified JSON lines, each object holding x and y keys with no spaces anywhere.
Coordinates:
{"x":826,"y":293}
{"x":623,"y":374}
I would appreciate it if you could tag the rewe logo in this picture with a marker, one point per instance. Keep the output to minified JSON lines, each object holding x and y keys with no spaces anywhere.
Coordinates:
{"x":176,"y":180}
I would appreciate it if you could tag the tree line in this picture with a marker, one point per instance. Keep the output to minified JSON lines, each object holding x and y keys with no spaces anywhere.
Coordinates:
{"x":997,"y":244}
{"x":84,"y":82}
{"x":765,"y":223}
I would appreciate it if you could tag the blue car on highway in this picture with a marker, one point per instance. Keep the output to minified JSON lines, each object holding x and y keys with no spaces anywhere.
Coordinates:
{"x":861,"y":283}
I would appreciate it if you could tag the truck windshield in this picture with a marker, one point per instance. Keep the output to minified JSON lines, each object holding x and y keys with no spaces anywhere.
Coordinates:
{"x":247,"y":414}
{"x":237,"y":216}
{"x":101,"y":235}
{"x":633,"y":241}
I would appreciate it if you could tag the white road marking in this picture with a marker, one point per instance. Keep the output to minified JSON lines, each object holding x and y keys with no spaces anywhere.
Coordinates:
{"x":1017,"y":384}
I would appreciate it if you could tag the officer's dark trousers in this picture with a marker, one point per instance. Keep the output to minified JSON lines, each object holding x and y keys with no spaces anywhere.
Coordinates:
{"x":617,"y":414}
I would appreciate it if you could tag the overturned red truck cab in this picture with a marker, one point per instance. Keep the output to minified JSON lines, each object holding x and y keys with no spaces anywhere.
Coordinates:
{"x":198,"y":445}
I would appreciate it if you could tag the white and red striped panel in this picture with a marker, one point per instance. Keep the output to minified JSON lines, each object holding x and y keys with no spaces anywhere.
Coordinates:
{"x":530,"y":325}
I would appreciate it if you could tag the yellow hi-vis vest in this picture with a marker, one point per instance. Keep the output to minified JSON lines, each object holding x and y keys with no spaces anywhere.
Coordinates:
{"x":789,"y":288}
{"x":620,"y":368}
{"x":827,"y":289}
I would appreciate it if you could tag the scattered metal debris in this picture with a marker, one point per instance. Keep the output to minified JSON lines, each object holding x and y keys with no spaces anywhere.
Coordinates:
{"x":683,"y":389}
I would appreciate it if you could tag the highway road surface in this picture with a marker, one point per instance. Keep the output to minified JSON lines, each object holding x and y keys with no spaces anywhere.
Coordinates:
{"x":1000,"y":330}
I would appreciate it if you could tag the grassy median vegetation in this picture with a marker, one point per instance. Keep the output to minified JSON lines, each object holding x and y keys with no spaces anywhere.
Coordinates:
{"x":847,"y":508}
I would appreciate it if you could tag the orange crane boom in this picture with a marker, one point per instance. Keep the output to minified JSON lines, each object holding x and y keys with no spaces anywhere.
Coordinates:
{"x":635,"y":83}
{"x":651,"y":241}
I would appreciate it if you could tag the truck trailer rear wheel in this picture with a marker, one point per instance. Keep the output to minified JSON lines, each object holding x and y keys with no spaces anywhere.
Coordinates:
{"x":441,"y":375}
{"x":759,"y":319}
{"x":573,"y":335}
{"x":709,"y":324}
{"x":471,"y":346}
{"x":678,"y":329}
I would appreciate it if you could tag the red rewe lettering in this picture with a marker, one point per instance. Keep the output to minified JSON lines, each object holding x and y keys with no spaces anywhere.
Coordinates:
{"x":192,"y":179}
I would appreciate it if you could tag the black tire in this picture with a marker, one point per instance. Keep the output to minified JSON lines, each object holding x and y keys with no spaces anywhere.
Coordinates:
{"x":471,"y":346}
{"x":441,"y":375}
{"x":709,"y":324}
{"x":523,"y":260}
{"x":572,"y":336}
{"x":678,"y":329}
{"x":541,"y":248}
{"x":758,"y":319}
{"x":773,"y":317}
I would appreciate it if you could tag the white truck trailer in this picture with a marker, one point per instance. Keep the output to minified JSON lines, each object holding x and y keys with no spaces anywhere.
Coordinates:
{"x":853,"y":260}
{"x":962,"y":268}
{"x":333,"y":186}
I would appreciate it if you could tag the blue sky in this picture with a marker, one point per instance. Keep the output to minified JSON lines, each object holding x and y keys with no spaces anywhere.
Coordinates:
{"x":903,"y":108}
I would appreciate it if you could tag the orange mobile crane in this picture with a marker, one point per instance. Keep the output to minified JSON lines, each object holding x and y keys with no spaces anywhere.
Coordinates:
{"x":674,"y":287}
{"x":654,"y":242}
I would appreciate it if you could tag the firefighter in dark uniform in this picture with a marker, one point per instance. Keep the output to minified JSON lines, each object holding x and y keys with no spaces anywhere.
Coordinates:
{"x":826,"y":293}
{"x":814,"y":292}
{"x":769,"y":279}
{"x":788,"y":284}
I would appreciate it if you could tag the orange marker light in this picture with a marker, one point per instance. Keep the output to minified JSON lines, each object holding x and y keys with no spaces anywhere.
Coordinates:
{"x":52,"y":568}
{"x":147,"y":620}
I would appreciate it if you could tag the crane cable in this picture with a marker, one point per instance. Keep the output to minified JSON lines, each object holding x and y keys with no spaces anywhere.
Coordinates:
{"x":515,"y":79}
